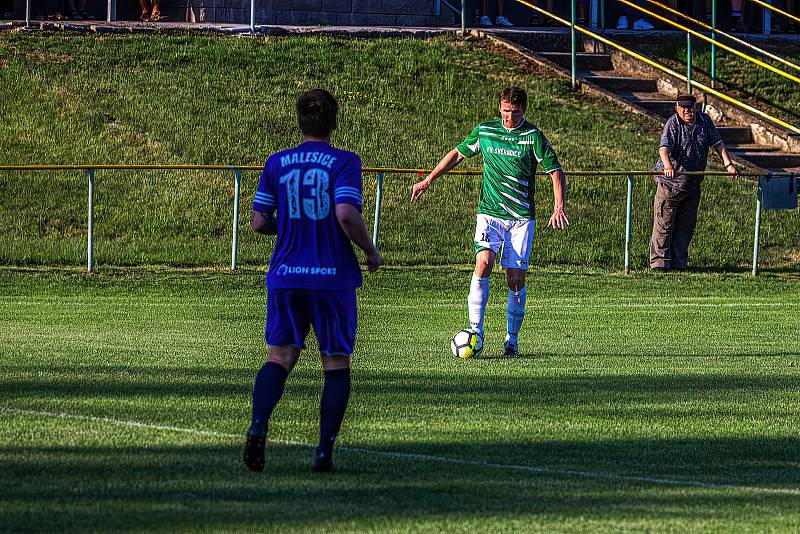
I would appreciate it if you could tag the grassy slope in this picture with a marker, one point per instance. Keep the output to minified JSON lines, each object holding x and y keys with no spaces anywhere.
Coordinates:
{"x":661,"y":376}
{"x":208,"y":99}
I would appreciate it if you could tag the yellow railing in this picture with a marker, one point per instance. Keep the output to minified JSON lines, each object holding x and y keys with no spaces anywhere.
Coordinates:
{"x":776,"y":10}
{"x":664,"y":69}
{"x":381,"y":172}
{"x":742,"y":42}
{"x":713,"y":41}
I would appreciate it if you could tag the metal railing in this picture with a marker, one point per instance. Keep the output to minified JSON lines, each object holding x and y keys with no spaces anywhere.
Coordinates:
{"x":690,"y":82}
{"x":768,"y":9}
{"x":714,"y":31}
{"x":711,"y":40}
{"x":381,"y":176}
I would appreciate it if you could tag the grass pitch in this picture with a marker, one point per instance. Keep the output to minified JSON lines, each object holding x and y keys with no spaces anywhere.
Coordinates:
{"x":663,"y":402}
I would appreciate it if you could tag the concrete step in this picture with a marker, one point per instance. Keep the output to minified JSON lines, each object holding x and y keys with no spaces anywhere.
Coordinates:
{"x":735,"y":134}
{"x":741,"y":148}
{"x":623,"y":83}
{"x":586,"y":62}
{"x":662,"y":108}
{"x":772,"y":160}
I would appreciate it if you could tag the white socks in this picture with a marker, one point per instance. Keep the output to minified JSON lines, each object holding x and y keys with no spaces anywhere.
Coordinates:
{"x":476,"y":302}
{"x":516,"y":313}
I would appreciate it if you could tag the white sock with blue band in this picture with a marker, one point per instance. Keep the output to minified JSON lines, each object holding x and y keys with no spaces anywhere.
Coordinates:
{"x":516,"y":313}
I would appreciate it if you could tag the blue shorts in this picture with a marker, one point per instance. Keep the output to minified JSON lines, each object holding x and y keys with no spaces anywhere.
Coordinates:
{"x":291,"y":312}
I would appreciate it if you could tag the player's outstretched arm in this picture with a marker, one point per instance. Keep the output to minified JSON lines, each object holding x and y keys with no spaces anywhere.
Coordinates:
{"x":559,"y":218}
{"x":264,"y":223}
{"x":450,"y":161}
{"x":356,"y":229}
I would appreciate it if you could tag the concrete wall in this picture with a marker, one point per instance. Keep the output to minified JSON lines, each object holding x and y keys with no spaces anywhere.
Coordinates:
{"x":412,"y":13}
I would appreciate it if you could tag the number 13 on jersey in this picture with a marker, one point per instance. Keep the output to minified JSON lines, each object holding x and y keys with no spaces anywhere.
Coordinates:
{"x":317,"y":204}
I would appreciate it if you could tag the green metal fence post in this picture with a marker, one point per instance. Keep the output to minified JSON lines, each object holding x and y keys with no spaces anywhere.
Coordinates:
{"x":463,"y":17}
{"x":90,"y":228}
{"x":235,"y":244}
{"x":628,"y":210}
{"x":714,"y":44}
{"x":689,"y":63}
{"x":761,"y":181}
{"x":378,"y":202}
{"x":252,"y":17}
{"x":574,"y":44}
{"x":602,"y":17}
{"x":767,"y":18}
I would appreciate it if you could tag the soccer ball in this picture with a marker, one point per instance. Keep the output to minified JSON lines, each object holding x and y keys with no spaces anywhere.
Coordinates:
{"x":466,"y":344}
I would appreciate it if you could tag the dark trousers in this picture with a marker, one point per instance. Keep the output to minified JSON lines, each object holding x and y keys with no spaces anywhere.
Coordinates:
{"x":674,"y":220}
{"x":629,"y":12}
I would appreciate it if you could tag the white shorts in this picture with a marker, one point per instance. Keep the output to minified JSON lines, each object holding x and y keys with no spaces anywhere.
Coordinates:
{"x":515,"y":236}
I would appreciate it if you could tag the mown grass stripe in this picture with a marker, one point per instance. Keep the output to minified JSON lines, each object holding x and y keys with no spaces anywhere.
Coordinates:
{"x":417,"y":456}
{"x":211,"y":302}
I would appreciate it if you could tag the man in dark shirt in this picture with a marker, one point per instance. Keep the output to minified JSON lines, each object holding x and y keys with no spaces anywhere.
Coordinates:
{"x":684,"y":146}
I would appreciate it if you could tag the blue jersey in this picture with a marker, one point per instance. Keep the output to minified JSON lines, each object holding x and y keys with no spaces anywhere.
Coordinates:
{"x":304,"y":184}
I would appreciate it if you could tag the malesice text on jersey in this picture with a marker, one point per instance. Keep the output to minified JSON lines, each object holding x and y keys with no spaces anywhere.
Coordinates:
{"x":326,"y":160}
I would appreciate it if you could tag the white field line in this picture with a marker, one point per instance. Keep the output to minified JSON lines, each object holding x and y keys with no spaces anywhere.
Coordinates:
{"x":567,"y":473}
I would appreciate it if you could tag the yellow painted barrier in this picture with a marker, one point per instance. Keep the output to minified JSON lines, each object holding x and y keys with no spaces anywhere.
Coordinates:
{"x":669,"y":71}
{"x":776,"y":10}
{"x":717,"y":43}
{"x":727,"y":35}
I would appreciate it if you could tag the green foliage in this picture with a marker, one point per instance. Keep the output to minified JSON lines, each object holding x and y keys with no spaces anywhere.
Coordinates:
{"x":191,"y":98}
{"x":679,"y":378}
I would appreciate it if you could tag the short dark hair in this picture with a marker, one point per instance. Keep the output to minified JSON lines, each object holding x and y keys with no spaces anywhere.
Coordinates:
{"x":514,"y":95}
{"x":316,"y":112}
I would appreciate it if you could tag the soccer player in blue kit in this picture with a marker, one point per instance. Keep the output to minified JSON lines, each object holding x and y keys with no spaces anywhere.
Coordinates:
{"x":313,"y":274}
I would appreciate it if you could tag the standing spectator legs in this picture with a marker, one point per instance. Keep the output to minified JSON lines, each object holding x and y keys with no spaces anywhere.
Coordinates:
{"x":500,"y":20}
{"x":685,"y":218}
{"x":150,"y":11}
{"x":674,"y":221}
{"x":779,"y":22}
{"x":663,"y":222}
{"x":737,"y":20}
{"x":628,"y":15}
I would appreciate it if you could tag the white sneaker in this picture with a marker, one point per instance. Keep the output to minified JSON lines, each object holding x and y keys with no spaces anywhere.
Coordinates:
{"x":502,"y":21}
{"x":642,"y":25}
{"x":622,"y":23}
{"x":486,"y":21}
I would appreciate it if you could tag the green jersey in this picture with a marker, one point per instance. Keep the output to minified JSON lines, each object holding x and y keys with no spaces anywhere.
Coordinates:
{"x":510,"y":158}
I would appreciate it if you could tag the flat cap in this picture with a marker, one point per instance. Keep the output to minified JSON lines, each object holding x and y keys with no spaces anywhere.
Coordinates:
{"x":686,"y":101}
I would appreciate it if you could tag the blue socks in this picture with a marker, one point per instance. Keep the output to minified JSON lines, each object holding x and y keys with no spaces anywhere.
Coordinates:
{"x":335,"y":394}
{"x":267,"y":391}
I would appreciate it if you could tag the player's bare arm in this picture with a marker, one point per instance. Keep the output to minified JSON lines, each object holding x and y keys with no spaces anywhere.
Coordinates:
{"x":449,"y":162}
{"x":559,"y":218}
{"x":264,"y":223}
{"x":356,"y":229}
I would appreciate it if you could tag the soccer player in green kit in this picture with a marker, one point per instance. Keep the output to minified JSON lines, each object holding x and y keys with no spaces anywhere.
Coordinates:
{"x":512,"y":148}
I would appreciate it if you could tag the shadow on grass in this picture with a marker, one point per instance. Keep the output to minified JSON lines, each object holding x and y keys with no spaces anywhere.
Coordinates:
{"x":168,"y":488}
{"x":422,"y":387}
{"x":599,"y":412}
